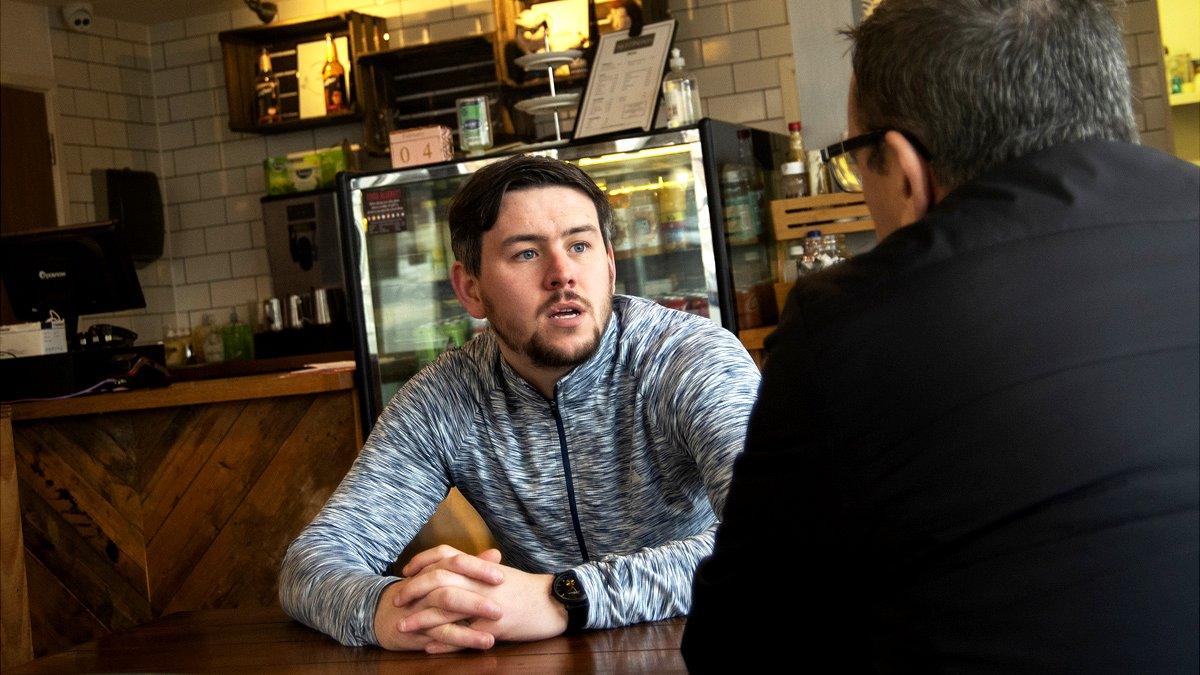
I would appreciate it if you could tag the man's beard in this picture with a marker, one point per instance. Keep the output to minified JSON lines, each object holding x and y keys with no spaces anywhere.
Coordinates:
{"x":539,"y":350}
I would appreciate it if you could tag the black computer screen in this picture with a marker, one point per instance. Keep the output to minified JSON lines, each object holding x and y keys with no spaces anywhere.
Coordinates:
{"x":72,"y":270}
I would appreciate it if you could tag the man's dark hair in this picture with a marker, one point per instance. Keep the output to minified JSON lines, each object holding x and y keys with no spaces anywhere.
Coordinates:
{"x":474,"y":209}
{"x":982,"y":82}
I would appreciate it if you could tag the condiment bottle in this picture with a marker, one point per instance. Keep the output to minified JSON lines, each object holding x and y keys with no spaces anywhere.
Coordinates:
{"x":796,"y":143}
{"x":793,"y":181}
{"x":680,"y":94}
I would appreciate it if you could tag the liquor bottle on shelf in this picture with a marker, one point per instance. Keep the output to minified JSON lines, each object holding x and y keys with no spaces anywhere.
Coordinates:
{"x":266,"y":91}
{"x":333,"y":75}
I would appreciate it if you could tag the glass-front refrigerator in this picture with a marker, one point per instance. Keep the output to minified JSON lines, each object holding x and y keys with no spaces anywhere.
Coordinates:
{"x":689,"y":231}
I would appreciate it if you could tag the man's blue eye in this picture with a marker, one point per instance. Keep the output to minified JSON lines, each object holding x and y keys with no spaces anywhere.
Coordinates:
{"x":579,"y":248}
{"x":527,"y":254}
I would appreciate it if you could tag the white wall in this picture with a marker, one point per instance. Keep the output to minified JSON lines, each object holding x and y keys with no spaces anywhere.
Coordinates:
{"x":822,"y":66}
{"x":736,"y":50}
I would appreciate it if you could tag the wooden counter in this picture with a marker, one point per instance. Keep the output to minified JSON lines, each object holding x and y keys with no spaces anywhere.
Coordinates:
{"x":141,"y":503}
{"x":337,"y":376}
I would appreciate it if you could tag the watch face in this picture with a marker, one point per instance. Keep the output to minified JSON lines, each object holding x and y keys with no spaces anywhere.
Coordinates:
{"x":566,"y":587}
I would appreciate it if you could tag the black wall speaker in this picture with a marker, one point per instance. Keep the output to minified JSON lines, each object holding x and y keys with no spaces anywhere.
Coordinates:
{"x":133,"y":198}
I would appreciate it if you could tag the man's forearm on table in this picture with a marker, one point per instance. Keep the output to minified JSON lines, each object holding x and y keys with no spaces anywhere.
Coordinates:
{"x":330,"y":594}
{"x":651,"y":584}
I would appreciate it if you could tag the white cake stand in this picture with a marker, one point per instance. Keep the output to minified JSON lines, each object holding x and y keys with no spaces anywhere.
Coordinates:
{"x":555,"y":102}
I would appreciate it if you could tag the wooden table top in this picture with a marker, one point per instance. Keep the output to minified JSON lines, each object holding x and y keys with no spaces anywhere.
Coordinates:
{"x":261,"y":640}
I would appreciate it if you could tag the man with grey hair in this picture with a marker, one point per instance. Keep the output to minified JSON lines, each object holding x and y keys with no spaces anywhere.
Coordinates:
{"x":976,"y":446}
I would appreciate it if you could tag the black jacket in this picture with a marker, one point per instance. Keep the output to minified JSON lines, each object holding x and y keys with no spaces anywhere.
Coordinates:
{"x":975,"y":447}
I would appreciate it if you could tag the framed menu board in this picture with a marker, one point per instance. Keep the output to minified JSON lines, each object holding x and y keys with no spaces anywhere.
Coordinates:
{"x":622,"y":90}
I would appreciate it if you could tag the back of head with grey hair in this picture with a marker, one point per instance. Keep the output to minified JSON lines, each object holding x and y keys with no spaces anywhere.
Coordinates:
{"x":981,"y":82}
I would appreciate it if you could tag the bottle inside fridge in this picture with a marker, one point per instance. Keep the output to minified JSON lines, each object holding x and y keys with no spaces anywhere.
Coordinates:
{"x":742,"y":193}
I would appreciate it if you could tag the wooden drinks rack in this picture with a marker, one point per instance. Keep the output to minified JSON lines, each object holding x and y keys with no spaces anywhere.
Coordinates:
{"x":791,"y":219}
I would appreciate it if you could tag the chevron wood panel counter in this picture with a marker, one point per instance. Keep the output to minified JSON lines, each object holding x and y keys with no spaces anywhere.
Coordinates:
{"x":138,"y":504}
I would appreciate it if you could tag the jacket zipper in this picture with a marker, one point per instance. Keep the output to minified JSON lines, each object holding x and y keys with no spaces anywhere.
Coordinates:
{"x":562,"y":444}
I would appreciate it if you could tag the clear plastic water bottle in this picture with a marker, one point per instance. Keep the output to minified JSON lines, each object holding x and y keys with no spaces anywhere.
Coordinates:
{"x":680,"y":94}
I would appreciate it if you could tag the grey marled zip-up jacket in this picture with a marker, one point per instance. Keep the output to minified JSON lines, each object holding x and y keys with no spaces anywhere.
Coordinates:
{"x":618,"y":478}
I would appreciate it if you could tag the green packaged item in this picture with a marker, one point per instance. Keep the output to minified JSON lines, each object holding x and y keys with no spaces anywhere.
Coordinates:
{"x":308,"y":170}
{"x":238,"y":340}
{"x":277,"y":178}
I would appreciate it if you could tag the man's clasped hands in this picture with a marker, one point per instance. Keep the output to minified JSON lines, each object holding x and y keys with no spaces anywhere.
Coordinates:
{"x":449,"y":600}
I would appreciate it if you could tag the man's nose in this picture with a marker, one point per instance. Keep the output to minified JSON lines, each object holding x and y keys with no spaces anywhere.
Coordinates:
{"x":560,"y":271}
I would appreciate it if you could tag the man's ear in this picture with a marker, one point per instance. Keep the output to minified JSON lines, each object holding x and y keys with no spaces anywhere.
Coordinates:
{"x":918,"y":191}
{"x":466,"y":288}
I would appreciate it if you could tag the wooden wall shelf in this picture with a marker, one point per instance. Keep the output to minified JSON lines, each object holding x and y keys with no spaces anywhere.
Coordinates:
{"x":241,"y":49}
{"x":418,"y":86}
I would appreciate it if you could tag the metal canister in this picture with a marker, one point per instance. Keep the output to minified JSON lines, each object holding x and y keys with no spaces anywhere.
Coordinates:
{"x":273,"y":314}
{"x":321,"y":314}
{"x":474,"y":124}
{"x":296,"y":313}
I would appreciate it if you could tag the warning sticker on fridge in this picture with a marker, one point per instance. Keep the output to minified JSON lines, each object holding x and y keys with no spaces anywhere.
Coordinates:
{"x":383,"y":210}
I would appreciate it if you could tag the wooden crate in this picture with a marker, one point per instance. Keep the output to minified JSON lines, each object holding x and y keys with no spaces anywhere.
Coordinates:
{"x":241,"y":49}
{"x":792,"y":219}
{"x":837,"y":213}
{"x":419,"y":86}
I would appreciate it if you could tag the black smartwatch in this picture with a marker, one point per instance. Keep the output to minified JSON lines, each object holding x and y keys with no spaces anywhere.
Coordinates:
{"x":566,"y":589}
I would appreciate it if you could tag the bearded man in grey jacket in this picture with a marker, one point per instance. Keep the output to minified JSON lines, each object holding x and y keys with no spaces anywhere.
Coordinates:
{"x":594,"y":434}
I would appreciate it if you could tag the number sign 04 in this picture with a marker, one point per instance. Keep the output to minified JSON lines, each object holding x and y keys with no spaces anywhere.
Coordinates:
{"x":417,"y":147}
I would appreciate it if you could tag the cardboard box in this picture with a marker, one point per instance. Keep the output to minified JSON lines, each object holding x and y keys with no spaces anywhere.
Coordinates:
{"x":33,"y":339}
{"x":421,"y":145}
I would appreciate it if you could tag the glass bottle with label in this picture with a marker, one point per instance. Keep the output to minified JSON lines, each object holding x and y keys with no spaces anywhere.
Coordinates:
{"x":333,"y":77}
{"x":672,"y":215}
{"x":429,"y":247}
{"x":266,"y":91}
{"x":643,"y":211}
{"x":214,"y":343}
{"x":740,"y":225}
{"x":796,"y":151}
{"x":200,"y":337}
{"x":741,"y":190}
{"x":474,"y":124}
{"x":793,"y":181}
{"x":619,"y":234}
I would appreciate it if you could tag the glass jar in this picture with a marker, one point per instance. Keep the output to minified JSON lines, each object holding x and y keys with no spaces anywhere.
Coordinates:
{"x":793,"y":181}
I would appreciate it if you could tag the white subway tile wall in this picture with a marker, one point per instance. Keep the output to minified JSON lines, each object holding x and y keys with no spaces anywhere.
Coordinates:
{"x":1143,"y":44}
{"x":153,"y":98}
